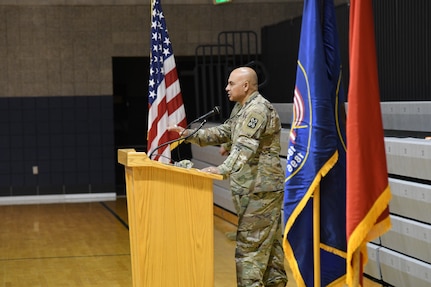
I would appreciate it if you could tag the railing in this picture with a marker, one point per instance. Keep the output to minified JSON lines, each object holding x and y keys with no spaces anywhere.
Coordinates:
{"x":214,"y":62}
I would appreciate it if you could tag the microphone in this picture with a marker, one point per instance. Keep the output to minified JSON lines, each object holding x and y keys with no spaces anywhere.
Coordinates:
{"x":203,"y":118}
{"x":214,"y":112}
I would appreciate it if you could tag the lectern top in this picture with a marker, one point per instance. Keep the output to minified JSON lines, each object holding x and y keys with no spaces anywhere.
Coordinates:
{"x":132,"y":158}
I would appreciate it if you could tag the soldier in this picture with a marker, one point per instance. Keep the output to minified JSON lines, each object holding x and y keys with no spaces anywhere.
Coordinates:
{"x":251,"y":138}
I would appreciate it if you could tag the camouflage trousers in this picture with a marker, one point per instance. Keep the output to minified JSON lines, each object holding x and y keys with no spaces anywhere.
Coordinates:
{"x":259,"y":254}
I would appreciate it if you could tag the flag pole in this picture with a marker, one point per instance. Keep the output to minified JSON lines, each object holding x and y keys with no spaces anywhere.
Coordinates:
{"x":151,"y":14}
{"x":357,"y":271}
{"x":316,"y":235}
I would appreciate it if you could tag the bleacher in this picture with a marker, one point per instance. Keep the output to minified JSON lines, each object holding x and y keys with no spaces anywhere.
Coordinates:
{"x":402,"y":256}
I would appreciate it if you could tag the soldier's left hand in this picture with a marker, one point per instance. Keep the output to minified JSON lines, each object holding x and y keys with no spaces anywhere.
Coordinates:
{"x":211,"y":169}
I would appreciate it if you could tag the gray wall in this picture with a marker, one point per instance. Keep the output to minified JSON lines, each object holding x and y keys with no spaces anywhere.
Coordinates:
{"x":62,"y":50}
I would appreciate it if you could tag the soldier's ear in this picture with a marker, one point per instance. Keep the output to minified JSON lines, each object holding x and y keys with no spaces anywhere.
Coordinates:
{"x":246,"y":85}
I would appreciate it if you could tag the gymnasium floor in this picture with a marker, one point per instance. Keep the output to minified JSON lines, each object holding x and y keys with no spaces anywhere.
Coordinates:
{"x":83,"y":244}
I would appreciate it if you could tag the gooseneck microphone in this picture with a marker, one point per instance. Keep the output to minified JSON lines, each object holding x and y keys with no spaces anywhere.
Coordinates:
{"x":211,"y":113}
{"x":201,"y":119}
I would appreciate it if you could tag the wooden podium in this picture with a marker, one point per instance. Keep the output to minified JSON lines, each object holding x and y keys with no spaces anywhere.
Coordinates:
{"x":171,"y":224}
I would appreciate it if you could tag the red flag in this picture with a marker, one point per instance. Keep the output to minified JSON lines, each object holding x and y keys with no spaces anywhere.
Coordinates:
{"x":368,"y":192}
{"x":165,"y":101}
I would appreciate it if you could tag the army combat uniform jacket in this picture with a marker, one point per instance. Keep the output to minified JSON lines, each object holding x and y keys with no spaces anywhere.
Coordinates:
{"x":252,"y":134}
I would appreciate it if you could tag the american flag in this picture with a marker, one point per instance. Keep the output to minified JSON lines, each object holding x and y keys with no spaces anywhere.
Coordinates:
{"x":165,"y":103}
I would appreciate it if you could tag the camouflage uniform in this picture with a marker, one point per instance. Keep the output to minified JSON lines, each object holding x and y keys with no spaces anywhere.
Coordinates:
{"x":252,"y":135}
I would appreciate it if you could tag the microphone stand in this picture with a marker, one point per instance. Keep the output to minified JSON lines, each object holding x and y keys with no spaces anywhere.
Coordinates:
{"x":178,"y":139}
{"x":195,"y":121}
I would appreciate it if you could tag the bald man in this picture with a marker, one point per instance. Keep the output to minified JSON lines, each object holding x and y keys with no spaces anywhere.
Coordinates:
{"x":251,"y":139}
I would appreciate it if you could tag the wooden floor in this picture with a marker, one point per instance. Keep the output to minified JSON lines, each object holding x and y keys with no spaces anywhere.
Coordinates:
{"x":83,"y":244}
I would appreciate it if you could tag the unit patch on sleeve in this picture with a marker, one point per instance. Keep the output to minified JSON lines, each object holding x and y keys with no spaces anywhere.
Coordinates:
{"x":252,"y":123}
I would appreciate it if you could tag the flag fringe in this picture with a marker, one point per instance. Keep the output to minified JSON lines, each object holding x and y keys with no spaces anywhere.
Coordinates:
{"x":367,"y":230}
{"x":333,"y":250}
{"x":293,"y":264}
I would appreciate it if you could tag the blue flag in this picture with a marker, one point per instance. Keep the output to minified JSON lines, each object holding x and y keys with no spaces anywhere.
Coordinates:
{"x":316,"y":157}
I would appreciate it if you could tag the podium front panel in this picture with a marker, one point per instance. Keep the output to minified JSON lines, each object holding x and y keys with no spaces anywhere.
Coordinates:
{"x":171,"y":227}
